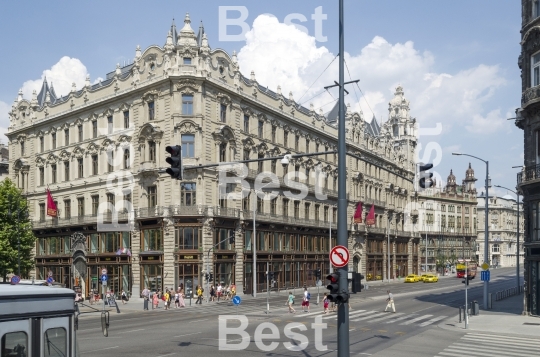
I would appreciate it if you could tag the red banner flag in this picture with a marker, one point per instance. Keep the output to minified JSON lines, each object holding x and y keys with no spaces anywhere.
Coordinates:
{"x":370,"y":219}
{"x":357,"y":218}
{"x":51,"y":206}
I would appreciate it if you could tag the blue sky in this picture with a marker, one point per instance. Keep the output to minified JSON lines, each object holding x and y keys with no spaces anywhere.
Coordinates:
{"x":457,"y":61}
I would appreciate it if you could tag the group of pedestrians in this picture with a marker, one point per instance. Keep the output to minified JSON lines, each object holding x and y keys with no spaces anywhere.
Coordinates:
{"x":222,"y":292}
{"x":168,"y":297}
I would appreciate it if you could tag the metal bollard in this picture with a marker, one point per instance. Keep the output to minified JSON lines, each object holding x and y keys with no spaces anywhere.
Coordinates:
{"x":490,"y":301}
{"x":459,"y":314}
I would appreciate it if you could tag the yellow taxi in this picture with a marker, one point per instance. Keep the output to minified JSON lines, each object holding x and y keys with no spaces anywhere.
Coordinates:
{"x":424,"y":276}
{"x":413,"y":278}
{"x":431,"y":278}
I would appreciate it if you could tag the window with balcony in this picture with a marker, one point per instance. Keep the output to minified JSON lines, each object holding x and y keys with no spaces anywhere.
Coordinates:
{"x":187,"y":104}
{"x":223,"y":113}
{"x":151,"y":110}
{"x":246,"y":123}
{"x":42,"y":212}
{"x":95,"y":205}
{"x":188,"y":193}
{"x":334,"y":214}
{"x":260,"y":205}
{"x":273,"y":206}
{"x":80,"y":206}
{"x":67,"y":209}
{"x":285,"y":207}
{"x":152,"y":196}
{"x":80,"y":167}
{"x":317,"y":212}
{"x":306,"y":210}
{"x":296,"y":209}
{"x":66,"y":170}
{"x":110,"y":202}
{"x":326,"y":213}
{"x":188,"y":145}
{"x":126,"y":119}
{"x":53,"y":135}
{"x":41,"y":144}
{"x":53,"y":173}
{"x":245,"y":203}
{"x":94,"y":165}
{"x":152,"y":151}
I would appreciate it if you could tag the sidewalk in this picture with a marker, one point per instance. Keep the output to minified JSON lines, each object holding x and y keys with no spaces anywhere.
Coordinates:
{"x":505,"y":317}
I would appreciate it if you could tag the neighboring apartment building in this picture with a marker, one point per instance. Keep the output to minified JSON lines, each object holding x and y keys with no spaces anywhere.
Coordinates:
{"x":447,"y":222}
{"x":502,"y":230}
{"x":100,"y":150}
{"x":528,"y":119}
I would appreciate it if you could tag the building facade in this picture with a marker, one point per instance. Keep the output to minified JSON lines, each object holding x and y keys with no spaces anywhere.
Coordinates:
{"x":447,"y":223}
{"x":100,"y":150}
{"x":502,"y":231}
{"x":528,"y":119}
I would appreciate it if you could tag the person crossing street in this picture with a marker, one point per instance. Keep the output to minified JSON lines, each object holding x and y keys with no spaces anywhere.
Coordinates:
{"x":390,"y":302}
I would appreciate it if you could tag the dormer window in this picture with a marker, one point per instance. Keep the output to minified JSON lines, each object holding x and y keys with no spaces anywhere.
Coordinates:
{"x":187,"y":60}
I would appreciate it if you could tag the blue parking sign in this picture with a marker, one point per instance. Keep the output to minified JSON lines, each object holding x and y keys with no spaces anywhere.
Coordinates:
{"x":485,"y":275}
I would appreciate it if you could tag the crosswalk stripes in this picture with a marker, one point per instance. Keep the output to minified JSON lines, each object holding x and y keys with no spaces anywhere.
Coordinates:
{"x":481,"y":345}
{"x":373,"y":316}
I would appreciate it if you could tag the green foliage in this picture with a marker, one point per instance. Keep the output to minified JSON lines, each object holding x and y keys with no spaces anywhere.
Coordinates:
{"x":16,"y":236}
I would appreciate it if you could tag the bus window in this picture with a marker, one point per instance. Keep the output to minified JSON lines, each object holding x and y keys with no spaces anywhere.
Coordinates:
{"x":55,"y":342}
{"x":14,"y":344}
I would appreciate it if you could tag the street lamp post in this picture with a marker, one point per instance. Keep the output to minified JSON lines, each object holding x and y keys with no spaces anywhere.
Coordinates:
{"x":486,"y":226}
{"x":517,"y":233}
{"x":18,"y":237}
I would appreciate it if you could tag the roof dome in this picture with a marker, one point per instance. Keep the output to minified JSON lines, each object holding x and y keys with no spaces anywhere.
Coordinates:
{"x":451,"y":178}
{"x":469,"y":174}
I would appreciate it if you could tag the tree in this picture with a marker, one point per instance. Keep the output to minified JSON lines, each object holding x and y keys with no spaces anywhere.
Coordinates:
{"x":16,"y":237}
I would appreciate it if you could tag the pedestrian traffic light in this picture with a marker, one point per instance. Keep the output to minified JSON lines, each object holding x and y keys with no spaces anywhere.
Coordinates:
{"x":318,"y":274}
{"x":422,"y":182}
{"x":270,"y":275}
{"x":333,"y":296}
{"x":176,"y":170}
{"x":211,"y":277}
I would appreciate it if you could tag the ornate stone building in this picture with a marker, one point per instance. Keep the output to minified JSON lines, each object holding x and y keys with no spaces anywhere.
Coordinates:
{"x":447,"y":223}
{"x":528,"y":119}
{"x":101,"y":147}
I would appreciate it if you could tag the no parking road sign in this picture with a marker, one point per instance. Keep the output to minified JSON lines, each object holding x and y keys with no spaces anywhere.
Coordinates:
{"x":339,"y":256}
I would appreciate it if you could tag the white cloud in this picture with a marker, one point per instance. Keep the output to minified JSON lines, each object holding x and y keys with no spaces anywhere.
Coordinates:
{"x":62,"y":74}
{"x":488,"y":124}
{"x":451,"y":148}
{"x":281,"y":54}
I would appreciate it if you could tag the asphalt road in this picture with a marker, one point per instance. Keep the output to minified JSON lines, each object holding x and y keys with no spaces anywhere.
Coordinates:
{"x":195,"y":331}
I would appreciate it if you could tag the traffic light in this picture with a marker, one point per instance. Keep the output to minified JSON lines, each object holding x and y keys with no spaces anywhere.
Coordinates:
{"x":175,"y":160}
{"x":333,"y":296}
{"x":211,"y":278}
{"x":361,"y":286}
{"x":206,"y":277}
{"x":317,"y":273}
{"x":270,"y":275}
{"x":466,"y":280}
{"x":425,"y":175}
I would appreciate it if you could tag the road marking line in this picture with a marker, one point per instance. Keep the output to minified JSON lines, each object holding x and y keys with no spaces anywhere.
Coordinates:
{"x":101,"y":349}
{"x":382,"y":331}
{"x":415,"y":320}
{"x":141,"y":329}
{"x":505,"y":337}
{"x":366,"y":317}
{"x":401,"y":333}
{"x":435,"y":319}
{"x":188,"y":334}
{"x":168,"y":354}
{"x":377,"y":319}
{"x":400,"y":318}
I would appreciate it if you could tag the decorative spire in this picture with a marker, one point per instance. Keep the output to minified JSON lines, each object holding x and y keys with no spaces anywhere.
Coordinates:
{"x":204,"y":43}
{"x":253,"y":76}
{"x":174,"y":33}
{"x":311,"y":107}
{"x":291,"y":97}
{"x":87,"y":81}
{"x":34,"y":101}
{"x":118,"y":70}
{"x":279,"y":89}
{"x":73,"y":87}
{"x":234,"y":58}
{"x":187,"y":35}
{"x":20,"y":95}
{"x":137,"y":52}
{"x":169,"y":44}
{"x":200,"y":34}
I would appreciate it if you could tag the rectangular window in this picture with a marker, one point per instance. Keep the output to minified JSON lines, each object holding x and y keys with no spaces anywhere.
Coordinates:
{"x":223,"y":113}
{"x":109,"y":124}
{"x":41,"y":144}
{"x":41,"y":176}
{"x":56,"y":337}
{"x":273,"y":166}
{"x":261,"y":129}
{"x":285,"y":139}
{"x":536,"y":9}
{"x":285,"y":207}
{"x":127,"y":160}
{"x":110,"y":201}
{"x":66,"y":137}
{"x":188,"y":145}
{"x":317,"y":212}
{"x":150,"y":110}
{"x":94,"y":164}
{"x":306,"y":210}
{"x":188,"y":193}
{"x":95,"y":205}
{"x":80,"y":167}
{"x":223,"y":152}
{"x":80,"y":130}
{"x":273,"y":206}
{"x":80,"y":206}
{"x":53,"y":173}
{"x":53,"y":140}
{"x":152,"y":151}
{"x":42,"y":211}
{"x":307,"y":146}
{"x":188,"y":237}
{"x":296,"y":142}
{"x":334,"y":214}
{"x":110,"y":161}
{"x":260,"y":164}
{"x":187,"y":104}
{"x":152,"y":241}
{"x":66,"y":170}
{"x":296,"y":209}
{"x":152,"y":196}
{"x":246,"y":154}
{"x":22,"y":148}
{"x":67,"y":208}
{"x":126,"y":119}
{"x":260,"y":205}
{"x":94,"y":129}
{"x":187,"y":60}
{"x":273,"y":134}
{"x":246,"y":123}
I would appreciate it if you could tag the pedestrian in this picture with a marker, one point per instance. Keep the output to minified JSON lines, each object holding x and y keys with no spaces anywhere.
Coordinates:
{"x":219,"y":291}
{"x":176,"y":300}
{"x":212,"y":293}
{"x":181,"y":302}
{"x":155,"y":300}
{"x":146,"y":296}
{"x":325,"y":303}
{"x":199,"y":295}
{"x":290,"y":302}
{"x":233,"y":291}
{"x":166,"y":299}
{"x":123,"y":297}
{"x":305,"y":301}
{"x":390,"y":302}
